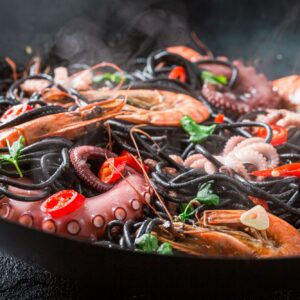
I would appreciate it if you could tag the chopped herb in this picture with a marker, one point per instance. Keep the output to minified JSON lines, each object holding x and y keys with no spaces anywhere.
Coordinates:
{"x":206,"y":196}
{"x":187,"y":211}
{"x":147,"y":242}
{"x":14,"y":154}
{"x":213,"y":79}
{"x":165,"y":248}
{"x":198,"y":133}
{"x":113,"y":77}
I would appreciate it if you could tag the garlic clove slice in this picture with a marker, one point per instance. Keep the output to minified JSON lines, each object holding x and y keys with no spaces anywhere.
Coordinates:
{"x":256,"y":217}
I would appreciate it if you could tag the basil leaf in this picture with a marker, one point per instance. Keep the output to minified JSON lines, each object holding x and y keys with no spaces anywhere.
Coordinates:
{"x":147,"y":242}
{"x":205,"y":195}
{"x":165,"y":248}
{"x":198,"y":133}
{"x":213,"y":79}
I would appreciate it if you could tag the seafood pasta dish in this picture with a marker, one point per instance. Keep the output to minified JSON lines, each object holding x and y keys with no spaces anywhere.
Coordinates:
{"x":179,"y":152}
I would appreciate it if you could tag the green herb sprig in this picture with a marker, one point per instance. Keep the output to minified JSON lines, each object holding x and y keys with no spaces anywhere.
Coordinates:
{"x":112,"y":77}
{"x":198,"y":133}
{"x":149,"y":243}
{"x":14,"y":152}
{"x":204,"y":196}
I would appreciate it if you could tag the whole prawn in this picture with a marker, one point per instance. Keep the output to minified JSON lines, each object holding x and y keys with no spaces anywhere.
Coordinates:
{"x":220,"y":232}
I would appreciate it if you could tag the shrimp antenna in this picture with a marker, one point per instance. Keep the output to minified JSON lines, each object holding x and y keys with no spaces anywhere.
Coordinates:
{"x":137,"y":129}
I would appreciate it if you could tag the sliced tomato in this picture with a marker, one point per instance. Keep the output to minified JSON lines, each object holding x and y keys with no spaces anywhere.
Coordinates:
{"x":14,"y":112}
{"x":132,"y":162}
{"x":279,"y":134}
{"x":62,"y":203}
{"x":259,"y":201}
{"x":112,"y":169}
{"x":219,"y":118}
{"x":178,"y":73}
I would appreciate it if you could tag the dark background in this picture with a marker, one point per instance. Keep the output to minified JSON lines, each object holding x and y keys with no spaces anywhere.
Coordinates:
{"x":264,"y":33}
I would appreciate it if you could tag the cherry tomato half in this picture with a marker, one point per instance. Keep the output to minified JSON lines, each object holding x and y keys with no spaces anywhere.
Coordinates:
{"x":14,"y":112}
{"x":62,"y":203}
{"x":112,"y":169}
{"x":279,"y":134}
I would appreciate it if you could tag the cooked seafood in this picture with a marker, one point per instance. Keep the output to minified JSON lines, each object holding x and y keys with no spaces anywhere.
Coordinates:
{"x":181,"y":152}
{"x":221,"y":232}
{"x":155,"y":107}
{"x":65,"y":124}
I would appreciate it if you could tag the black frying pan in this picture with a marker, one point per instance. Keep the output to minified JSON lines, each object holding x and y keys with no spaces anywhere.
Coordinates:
{"x":263,"y":32}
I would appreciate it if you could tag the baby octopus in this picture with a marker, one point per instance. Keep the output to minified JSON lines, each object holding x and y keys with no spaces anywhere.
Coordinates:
{"x":237,"y":154}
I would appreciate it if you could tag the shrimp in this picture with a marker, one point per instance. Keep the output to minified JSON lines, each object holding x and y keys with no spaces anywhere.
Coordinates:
{"x":66,"y":124}
{"x":186,"y":52}
{"x":221,"y":232}
{"x":155,"y":107}
{"x":288,"y":89}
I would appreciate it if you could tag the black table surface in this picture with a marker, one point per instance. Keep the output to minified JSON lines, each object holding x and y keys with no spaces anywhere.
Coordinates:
{"x":19,"y":280}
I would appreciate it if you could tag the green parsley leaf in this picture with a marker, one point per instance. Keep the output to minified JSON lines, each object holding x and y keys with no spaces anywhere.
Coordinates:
{"x":165,"y":248}
{"x":198,"y":133}
{"x":14,"y":153}
{"x":205,"y":195}
{"x":113,"y":77}
{"x":187,"y":211}
{"x":213,"y":79}
{"x":147,"y":242}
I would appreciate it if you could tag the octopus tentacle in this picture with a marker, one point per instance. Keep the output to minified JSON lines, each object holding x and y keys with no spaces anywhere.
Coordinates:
{"x":252,"y":157}
{"x":124,"y":201}
{"x":232,"y":143}
{"x":79,"y":157}
{"x":192,"y":158}
{"x":267,"y":151}
{"x":251,"y":91}
{"x":248,"y":142}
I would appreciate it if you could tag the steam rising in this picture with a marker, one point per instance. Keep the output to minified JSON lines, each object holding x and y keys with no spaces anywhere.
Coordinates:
{"x":122,"y":30}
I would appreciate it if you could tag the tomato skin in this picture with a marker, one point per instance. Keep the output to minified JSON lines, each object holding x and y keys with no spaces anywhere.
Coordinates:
{"x":15,"y":111}
{"x":112,"y":169}
{"x":178,"y":73}
{"x":279,"y":134}
{"x":219,"y":118}
{"x":62,"y":203}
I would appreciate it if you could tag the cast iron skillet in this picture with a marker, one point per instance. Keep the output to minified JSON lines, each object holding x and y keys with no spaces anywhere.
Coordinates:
{"x":263,"y":32}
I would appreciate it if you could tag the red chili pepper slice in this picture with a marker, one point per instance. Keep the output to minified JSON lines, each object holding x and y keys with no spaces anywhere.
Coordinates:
{"x":279,"y":134}
{"x":62,"y":203}
{"x":112,"y":169}
{"x":14,"y":112}
{"x":282,"y":171}
{"x":219,"y":118}
{"x":132,"y":162}
{"x":259,"y":201}
{"x":178,"y":73}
